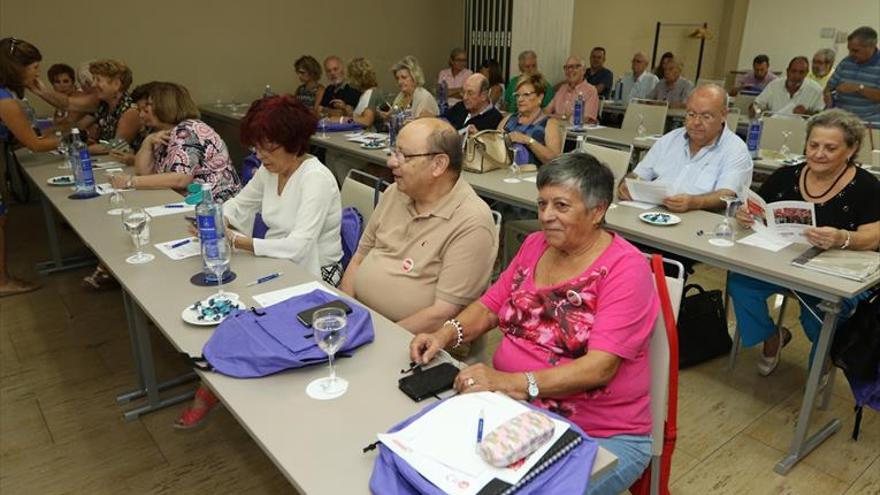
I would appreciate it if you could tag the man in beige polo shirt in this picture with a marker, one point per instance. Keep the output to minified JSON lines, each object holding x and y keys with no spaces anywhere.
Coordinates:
{"x":429,"y":247}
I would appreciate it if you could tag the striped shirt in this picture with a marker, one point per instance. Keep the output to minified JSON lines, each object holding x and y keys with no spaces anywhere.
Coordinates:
{"x":868,"y":74}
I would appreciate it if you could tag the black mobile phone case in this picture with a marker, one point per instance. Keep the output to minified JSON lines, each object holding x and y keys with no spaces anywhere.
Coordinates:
{"x":428,"y":383}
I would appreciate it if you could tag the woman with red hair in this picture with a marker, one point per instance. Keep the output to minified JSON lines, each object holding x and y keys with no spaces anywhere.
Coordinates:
{"x":297,"y":197}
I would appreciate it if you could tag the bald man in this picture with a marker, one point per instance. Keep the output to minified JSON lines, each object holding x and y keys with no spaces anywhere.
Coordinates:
{"x":474,"y":112}
{"x":429,"y":247}
{"x":640,"y":82}
{"x":700,"y":162}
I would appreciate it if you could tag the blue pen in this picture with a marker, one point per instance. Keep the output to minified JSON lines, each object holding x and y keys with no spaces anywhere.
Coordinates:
{"x":174,"y":206}
{"x":480,"y":427}
{"x":267,"y":278}
{"x":181,"y":243}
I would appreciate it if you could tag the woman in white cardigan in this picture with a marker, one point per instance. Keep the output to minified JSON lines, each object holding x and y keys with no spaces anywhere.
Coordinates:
{"x":297,"y":197}
{"x":294,"y":192}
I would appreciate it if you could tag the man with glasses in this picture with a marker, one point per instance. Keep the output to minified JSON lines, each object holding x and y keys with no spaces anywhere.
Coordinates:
{"x":428,"y":249}
{"x":562,"y":105}
{"x":822,"y":66}
{"x":700,"y":162}
{"x":640,"y":82}
{"x":474,"y":112}
{"x":454,"y":76}
{"x":528,"y":65}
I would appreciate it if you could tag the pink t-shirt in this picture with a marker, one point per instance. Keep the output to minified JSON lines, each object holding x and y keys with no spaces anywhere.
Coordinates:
{"x":544,"y":327}
{"x":563,"y":101}
{"x":453,"y":82}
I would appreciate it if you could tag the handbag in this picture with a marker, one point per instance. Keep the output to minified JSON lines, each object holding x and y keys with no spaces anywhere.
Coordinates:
{"x":485,"y":151}
{"x":702,"y":327}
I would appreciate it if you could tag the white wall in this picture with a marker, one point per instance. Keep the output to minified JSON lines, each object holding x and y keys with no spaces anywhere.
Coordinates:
{"x":545,"y":30}
{"x":784,"y":29}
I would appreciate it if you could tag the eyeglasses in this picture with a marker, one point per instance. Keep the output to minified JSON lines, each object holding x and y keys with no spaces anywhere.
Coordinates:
{"x":524,"y":95}
{"x":402,"y":157}
{"x":702,"y":117}
{"x":572,"y":66}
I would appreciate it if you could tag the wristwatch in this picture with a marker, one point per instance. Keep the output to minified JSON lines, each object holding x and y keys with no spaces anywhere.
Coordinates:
{"x":533,"y":385}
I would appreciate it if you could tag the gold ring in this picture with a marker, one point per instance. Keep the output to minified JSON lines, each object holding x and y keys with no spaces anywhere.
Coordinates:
{"x":470,"y":382}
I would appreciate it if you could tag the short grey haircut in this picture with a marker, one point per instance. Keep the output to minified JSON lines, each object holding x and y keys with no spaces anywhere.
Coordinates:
{"x":828,"y":54}
{"x":410,"y":64}
{"x":456,"y":51}
{"x":526,"y":54}
{"x":850,"y":125}
{"x":582,"y":172}
{"x":865,"y":34}
{"x":445,"y":140}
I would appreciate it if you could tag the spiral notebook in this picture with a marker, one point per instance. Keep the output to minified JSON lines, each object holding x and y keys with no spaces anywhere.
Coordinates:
{"x":568,"y":441}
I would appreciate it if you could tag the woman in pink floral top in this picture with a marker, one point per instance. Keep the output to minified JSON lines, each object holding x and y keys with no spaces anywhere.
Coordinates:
{"x":182,"y":150}
{"x":576,"y":308}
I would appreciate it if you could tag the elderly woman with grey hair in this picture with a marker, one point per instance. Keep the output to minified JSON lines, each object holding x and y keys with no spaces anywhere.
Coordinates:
{"x":847,"y":218}
{"x":413,"y":97}
{"x":576,"y":308}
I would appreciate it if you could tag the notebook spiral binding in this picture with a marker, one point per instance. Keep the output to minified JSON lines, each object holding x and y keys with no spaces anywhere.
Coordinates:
{"x":538,"y":469}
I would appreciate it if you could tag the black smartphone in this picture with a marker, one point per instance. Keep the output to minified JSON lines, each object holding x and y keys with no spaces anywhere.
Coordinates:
{"x":428,"y":383}
{"x":305,"y":317}
{"x":385,"y":107}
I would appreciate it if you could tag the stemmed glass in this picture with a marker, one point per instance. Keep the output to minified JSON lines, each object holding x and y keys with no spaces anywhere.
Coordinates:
{"x":115,"y":199}
{"x":216,"y":255}
{"x":641,"y":129}
{"x":723,"y":235}
{"x":136,"y":222}
{"x":330,"y":331}
{"x":784,"y":150}
{"x":513,"y":175}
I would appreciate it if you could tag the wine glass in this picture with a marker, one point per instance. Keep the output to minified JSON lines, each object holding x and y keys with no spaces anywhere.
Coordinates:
{"x":322,"y":124}
{"x":115,"y":198}
{"x":135,"y":221}
{"x":723,"y":235}
{"x":216,"y":255}
{"x":62,"y":151}
{"x":330,"y":331}
{"x":784,"y":150}
{"x":641,"y":129}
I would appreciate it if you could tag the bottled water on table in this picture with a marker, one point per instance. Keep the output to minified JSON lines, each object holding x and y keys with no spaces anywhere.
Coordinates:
{"x":209,"y":219}
{"x":577,"y":118}
{"x":82,"y":166}
{"x":753,"y":140}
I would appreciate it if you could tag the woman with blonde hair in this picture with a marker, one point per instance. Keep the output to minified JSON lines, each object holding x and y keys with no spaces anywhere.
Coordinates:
{"x":413,"y":96}
{"x":363,"y":77}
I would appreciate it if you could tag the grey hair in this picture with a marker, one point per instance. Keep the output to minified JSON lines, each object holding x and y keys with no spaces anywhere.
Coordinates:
{"x":526,"y":54}
{"x":411,"y":64}
{"x":850,"y":125}
{"x":715,"y":88}
{"x":583,"y":172}
{"x":447,"y":141}
{"x":456,"y":51}
{"x":828,"y":54}
{"x":579,"y":59}
{"x":865,"y":34}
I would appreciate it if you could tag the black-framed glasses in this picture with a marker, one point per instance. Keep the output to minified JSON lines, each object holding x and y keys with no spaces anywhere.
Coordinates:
{"x":402,"y":157}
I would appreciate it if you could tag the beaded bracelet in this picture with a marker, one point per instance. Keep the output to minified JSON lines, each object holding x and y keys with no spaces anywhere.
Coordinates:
{"x":459,"y":338}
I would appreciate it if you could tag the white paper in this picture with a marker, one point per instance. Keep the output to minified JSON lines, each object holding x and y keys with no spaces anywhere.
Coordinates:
{"x":764,"y":242}
{"x":532,"y":178}
{"x":168,"y":209}
{"x":441,"y":445}
{"x":276,"y":296}
{"x":647,"y":192}
{"x":637,"y":204}
{"x":103,"y":165}
{"x":188,"y":250}
{"x":782,"y":220}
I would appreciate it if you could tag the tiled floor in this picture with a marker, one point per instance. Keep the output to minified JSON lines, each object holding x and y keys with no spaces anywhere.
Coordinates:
{"x":64,"y":356}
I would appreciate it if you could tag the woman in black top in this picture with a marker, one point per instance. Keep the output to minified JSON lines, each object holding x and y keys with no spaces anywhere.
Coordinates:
{"x":847,"y":204}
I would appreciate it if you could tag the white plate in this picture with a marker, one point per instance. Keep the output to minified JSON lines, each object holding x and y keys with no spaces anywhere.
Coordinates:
{"x":61,"y":180}
{"x":659,"y":218}
{"x":379,"y":146}
{"x":191,"y":316}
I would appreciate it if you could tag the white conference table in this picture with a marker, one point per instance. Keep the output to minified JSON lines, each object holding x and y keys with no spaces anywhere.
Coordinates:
{"x":683,"y":239}
{"x":316,"y":444}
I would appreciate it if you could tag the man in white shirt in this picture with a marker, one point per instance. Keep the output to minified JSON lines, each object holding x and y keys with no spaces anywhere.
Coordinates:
{"x":792,"y":94}
{"x":700,"y":162}
{"x":640,"y":82}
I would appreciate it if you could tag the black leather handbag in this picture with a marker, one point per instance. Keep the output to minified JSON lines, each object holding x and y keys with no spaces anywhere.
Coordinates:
{"x":702,"y":327}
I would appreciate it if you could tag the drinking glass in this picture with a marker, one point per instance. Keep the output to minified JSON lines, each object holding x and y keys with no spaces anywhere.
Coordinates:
{"x":62,"y":151}
{"x":322,"y":124}
{"x":135,"y":221}
{"x":513,"y":175}
{"x":784,"y":150}
{"x":216,"y":255}
{"x":723,"y":235}
{"x":115,"y":198}
{"x":330,"y":332}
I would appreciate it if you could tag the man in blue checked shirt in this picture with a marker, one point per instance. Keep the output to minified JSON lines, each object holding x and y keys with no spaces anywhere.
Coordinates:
{"x":855,"y":84}
{"x":700,"y":162}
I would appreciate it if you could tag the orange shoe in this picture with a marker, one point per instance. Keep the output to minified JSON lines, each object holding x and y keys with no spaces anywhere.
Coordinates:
{"x":192,"y":416}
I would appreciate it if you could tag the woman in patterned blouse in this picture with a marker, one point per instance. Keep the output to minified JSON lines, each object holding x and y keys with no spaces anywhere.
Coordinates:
{"x":182,"y":150}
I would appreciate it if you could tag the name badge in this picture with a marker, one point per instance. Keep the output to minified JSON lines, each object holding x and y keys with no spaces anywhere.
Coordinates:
{"x":574,"y":298}
{"x":408,"y":265}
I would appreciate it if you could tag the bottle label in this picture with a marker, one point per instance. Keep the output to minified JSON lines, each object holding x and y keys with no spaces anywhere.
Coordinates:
{"x":208,"y":233}
{"x":578,"y":117}
{"x":85,"y":160}
{"x":754,"y":136}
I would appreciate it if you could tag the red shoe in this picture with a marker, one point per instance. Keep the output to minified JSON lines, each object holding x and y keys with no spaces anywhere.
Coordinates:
{"x":193,"y":417}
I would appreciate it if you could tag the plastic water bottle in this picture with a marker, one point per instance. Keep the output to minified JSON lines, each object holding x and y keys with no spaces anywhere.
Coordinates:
{"x":618,"y":91}
{"x":83,"y":175}
{"x":754,"y":134}
{"x":579,"y":146}
{"x":577,"y":118}
{"x":442,"y":91}
{"x":267,"y":92}
{"x":209,"y":218}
